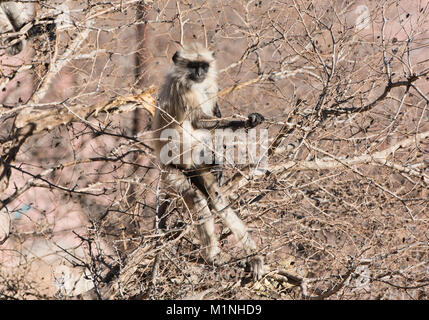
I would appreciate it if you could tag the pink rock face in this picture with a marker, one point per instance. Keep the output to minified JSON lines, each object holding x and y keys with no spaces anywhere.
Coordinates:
{"x":401,"y":21}
{"x":39,"y":235}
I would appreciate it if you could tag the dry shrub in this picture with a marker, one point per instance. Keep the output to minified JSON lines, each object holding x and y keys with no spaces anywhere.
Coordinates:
{"x":342,"y":212}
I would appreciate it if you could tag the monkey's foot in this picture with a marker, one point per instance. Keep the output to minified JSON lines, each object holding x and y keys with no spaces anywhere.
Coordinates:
{"x":256,"y":264}
{"x":211,"y":253}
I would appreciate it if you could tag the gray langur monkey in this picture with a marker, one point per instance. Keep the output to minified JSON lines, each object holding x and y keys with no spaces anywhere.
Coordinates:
{"x":188,"y":104}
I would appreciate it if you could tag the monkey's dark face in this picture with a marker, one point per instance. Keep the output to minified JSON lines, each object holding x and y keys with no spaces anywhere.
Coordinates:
{"x":197,"y":70}
{"x":194,"y":64}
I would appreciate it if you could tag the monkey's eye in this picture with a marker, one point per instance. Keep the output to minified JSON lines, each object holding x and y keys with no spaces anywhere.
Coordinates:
{"x":198,"y":65}
{"x":205,"y":66}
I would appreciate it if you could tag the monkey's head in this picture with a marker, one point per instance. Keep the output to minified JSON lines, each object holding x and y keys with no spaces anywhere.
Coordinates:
{"x":195,"y":63}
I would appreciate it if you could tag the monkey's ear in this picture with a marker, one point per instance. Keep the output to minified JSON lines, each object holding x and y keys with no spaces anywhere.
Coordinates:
{"x":175,"y":57}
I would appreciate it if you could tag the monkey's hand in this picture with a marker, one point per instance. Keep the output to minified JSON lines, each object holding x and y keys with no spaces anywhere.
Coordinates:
{"x":254,"y":119}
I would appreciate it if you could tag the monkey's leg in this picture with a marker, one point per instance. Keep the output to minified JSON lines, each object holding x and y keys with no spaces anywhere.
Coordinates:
{"x":232,"y":221}
{"x":177,"y":182}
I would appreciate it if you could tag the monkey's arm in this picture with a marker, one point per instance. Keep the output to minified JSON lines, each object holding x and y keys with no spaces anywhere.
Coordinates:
{"x":203,"y":121}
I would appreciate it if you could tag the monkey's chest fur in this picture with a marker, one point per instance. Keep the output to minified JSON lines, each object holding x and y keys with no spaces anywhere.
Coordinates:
{"x":180,"y":143}
{"x":205,"y":97}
